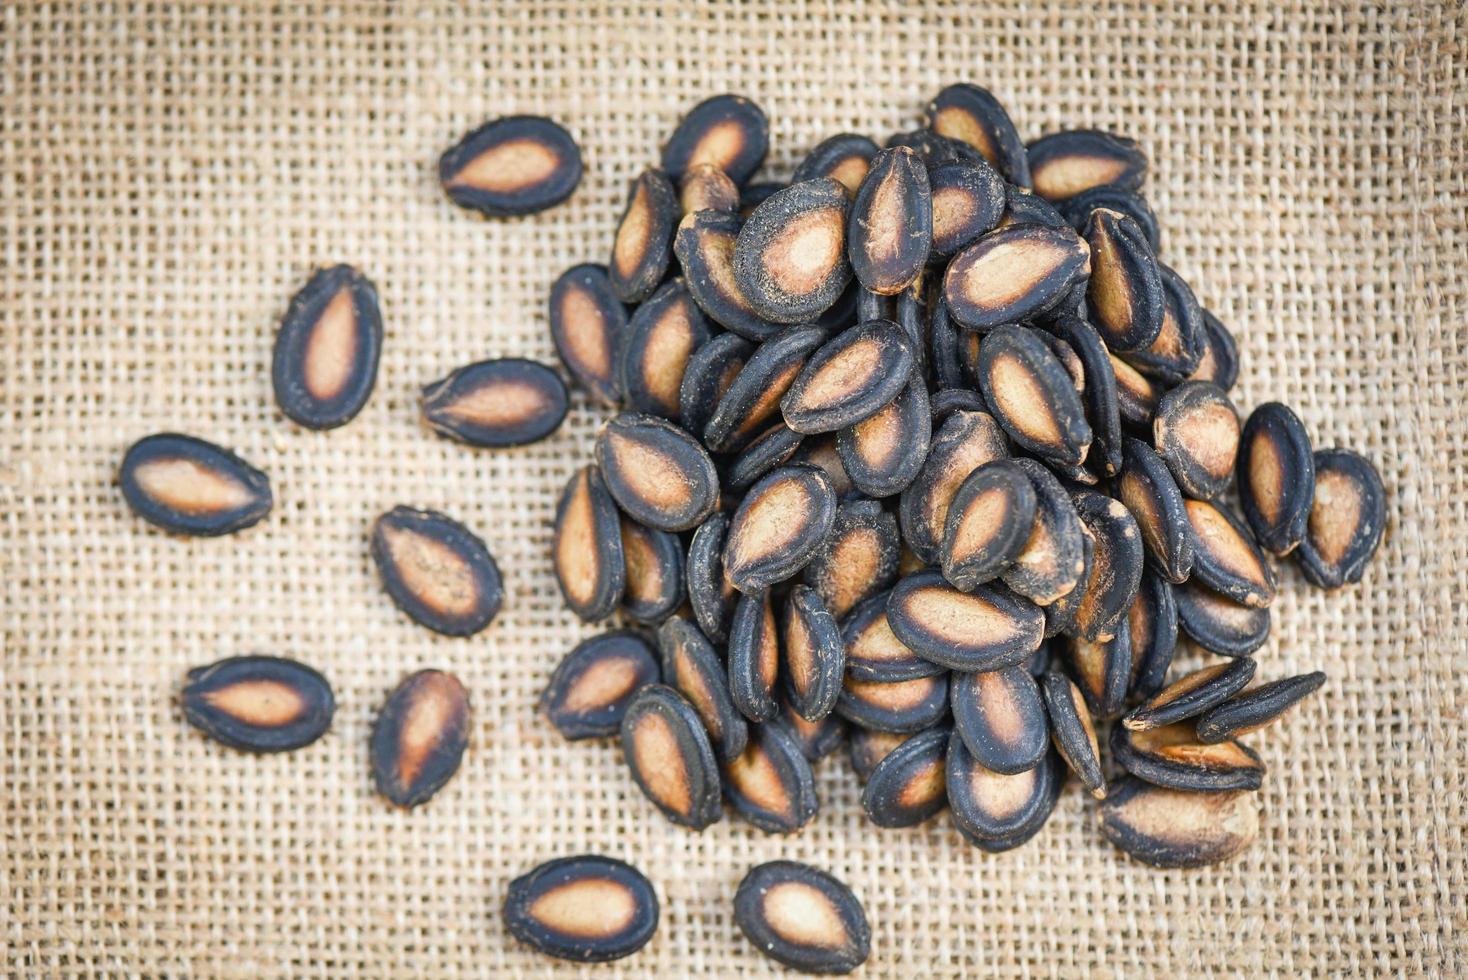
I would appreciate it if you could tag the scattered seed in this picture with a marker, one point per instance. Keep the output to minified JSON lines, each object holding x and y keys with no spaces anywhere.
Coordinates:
{"x":1347,"y":518}
{"x":1148,"y":490}
{"x":985,"y":629}
{"x":894,"y":706}
{"x":1276,"y":477}
{"x":644,"y":239}
{"x":1053,"y":563}
{"x":258,"y":703}
{"x":988,"y":524}
{"x":1103,"y":671}
{"x":587,"y":551}
{"x":873,"y":652}
{"x":587,"y":909}
{"x":1077,"y":210}
{"x":1172,"y":756}
{"x":419,"y":737}
{"x":815,"y":658}
{"x":511,"y":166}
{"x":1066,"y":355}
{"x":966,"y":441}
{"x":1065,"y":164}
{"x":771,"y":784}
{"x":1218,"y":361}
{"x":754,"y":657}
{"x":589,"y":692}
{"x":1039,"y":661}
{"x":971,"y":114}
{"x":657,"y":473}
{"x":770,"y":449}
{"x":1171,"y":829}
{"x":692,"y":666}
{"x":753,"y":398}
{"x":586,"y":324}
{"x":1217,"y":623}
{"x":1072,"y":731}
{"x":1116,"y":570}
{"x":654,"y":572}
{"x":704,"y":245}
{"x":1256,"y":708}
{"x":996,"y":809}
{"x":910,"y":310}
{"x":661,"y":336}
{"x":803,"y":918}
{"x":1001,"y":718}
{"x":710,"y":592}
{"x":1152,"y":622}
{"x":907,"y":786}
{"x":670,"y":758}
{"x":326,"y":350}
{"x":707,"y":188}
{"x":710,"y":370}
{"x":1175,"y":354}
{"x":1196,"y":431}
{"x":1032,"y":395}
{"x":188,"y":486}
{"x":1136,"y":396}
{"x":497,"y":403}
{"x":437,"y":571}
{"x":1192,"y":695}
{"x":1225,"y":557}
{"x":874,"y":306}
{"x":849,"y":378}
{"x":779,"y":526}
{"x":1125,"y":295}
{"x":870,"y":747}
{"x":790,"y":257}
{"x":728,"y":131}
{"x":968,"y":201}
{"x":890,"y":227}
{"x":816,"y":739}
{"x":884,"y":453}
{"x":1014,"y":273}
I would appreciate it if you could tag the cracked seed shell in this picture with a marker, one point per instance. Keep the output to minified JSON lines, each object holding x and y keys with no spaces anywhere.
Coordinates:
{"x":693,"y":668}
{"x":589,"y":692}
{"x":1125,"y":298}
{"x":814,"y":656}
{"x":849,"y":378}
{"x":752,"y":400}
{"x":779,"y":526}
{"x":894,"y":706}
{"x":985,"y":629}
{"x":995,"y":808}
{"x":1067,"y":163}
{"x":1225,"y":557}
{"x":704,"y":245}
{"x":587,"y":547}
{"x":258,"y":703}
{"x":1001,"y":718}
{"x":971,"y":114}
{"x":326,"y":350}
{"x":1256,"y":708}
{"x":907,"y":786}
{"x":1053,"y":563}
{"x":586,"y":324}
{"x":1032,"y":395}
{"x":966,"y":441}
{"x":729,"y":131}
{"x":802,"y":917}
{"x":1148,"y":490}
{"x":1168,"y":828}
{"x":1014,"y":273}
{"x":1072,"y":731}
{"x":1172,"y":756}
{"x":968,"y":201}
{"x":669,"y":755}
{"x":188,"y":486}
{"x":1347,"y":518}
{"x":1217,"y":623}
{"x":988,"y":524}
{"x":771,"y":783}
{"x":661,"y":336}
{"x":511,"y":166}
{"x":857,"y":560}
{"x":508,"y":401}
{"x":1116,"y":568}
{"x":1196,"y":431}
{"x":644,"y":240}
{"x":890,"y":225}
{"x":884,"y":453}
{"x":1276,"y":477}
{"x":586,"y":909}
{"x":1191,"y":695}
{"x":419,"y":737}
{"x":653,"y":561}
{"x":790,"y":256}
{"x":1152,"y":622}
{"x":657,"y":473}
{"x":754,"y":657}
{"x":437,"y":571}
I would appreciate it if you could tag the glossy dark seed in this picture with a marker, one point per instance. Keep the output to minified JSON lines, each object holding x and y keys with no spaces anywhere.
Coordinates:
{"x":658,"y":474}
{"x":654,"y":572}
{"x":669,"y":755}
{"x":1167,"y":828}
{"x":754,"y":657}
{"x":1172,"y":756}
{"x":587,"y":550}
{"x":992,"y":806}
{"x":894,"y":706}
{"x":660,"y":338}
{"x":710,"y":592}
{"x":1072,"y":731}
{"x":890,"y":226}
{"x":769,"y":450}
{"x":870,"y":747}
{"x":1102,"y":669}
{"x":1136,"y":396}
{"x":883,"y":454}
{"x":803,"y":918}
{"x":1014,"y":273}
{"x":511,"y":166}
{"x":704,"y":245}
{"x":967,"y":201}
{"x":814,"y":656}
{"x":728,"y":131}
{"x":326,"y":350}
{"x":1152,"y":623}
{"x":1225,"y":557}
{"x":752,"y":401}
{"x":1065,"y":164}
{"x":1077,"y":210}
{"x":1217,"y":623}
{"x":1276,"y":477}
{"x":710,"y":370}
{"x":589,"y":692}
{"x":644,"y":240}
{"x":1125,"y":296}
{"x":505,"y":402}
{"x":966,"y":441}
{"x":790,"y":257}
{"x":845,"y":157}
{"x":907,"y":786}
{"x":1192,"y":695}
{"x":586,"y":324}
{"x":1148,"y":490}
{"x":849,"y":378}
{"x":587,"y":909}
{"x":707,"y":188}
{"x":1255,"y":708}
{"x":1001,"y":718}
{"x":437,"y":571}
{"x":985,"y":629}
{"x":1053,"y":562}
{"x":1347,"y":518}
{"x":971,"y":114}
{"x":816,"y":739}
{"x":1218,"y":360}
{"x":1174,"y":355}
{"x":1032,"y":396}
{"x":1023,"y":206}
{"x":693,"y":667}
{"x":1196,"y":431}
{"x":779,"y":526}
{"x":189,"y":486}
{"x":258,"y":703}
{"x":1116,"y":569}
{"x":771,"y":784}
{"x":873,"y":652}
{"x":419,"y":737}
{"x":988,"y":524}
{"x":944,"y":402}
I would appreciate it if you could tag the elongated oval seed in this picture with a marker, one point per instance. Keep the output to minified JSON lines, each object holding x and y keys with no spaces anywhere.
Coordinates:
{"x":1217,"y":623}
{"x":790,"y":257}
{"x":985,"y":629}
{"x":845,"y":157}
{"x":890,"y":227}
{"x":1147,"y":489}
{"x":779,"y":526}
{"x":907,"y":786}
{"x":660,"y":338}
{"x":1064,"y":164}
{"x":511,"y":166}
{"x":1218,"y":361}
{"x":589,"y":692}
{"x":968,"y":201}
{"x":849,"y":378}
{"x":587,"y":547}
{"x":654,"y":572}
{"x":1192,"y":695}
{"x":710,"y":371}
{"x":704,"y":245}
{"x":437,"y":571}
{"x":884,"y":453}
{"x":1175,"y":354}
{"x":754,"y":657}
{"x":935,"y":150}
{"x":729,"y":131}
{"x":587,"y":909}
{"x":993,"y":807}
{"x":1103,"y":671}
{"x":668,"y":753}
{"x":894,"y":706}
{"x":1014,"y":273}
{"x":1032,"y":396}
{"x":586,"y":324}
{"x":857,"y":560}
{"x":868,"y":747}
{"x":1136,"y":396}
{"x":1023,"y":206}
{"x":1225,"y":557}
{"x":1060,"y":614}
{"x":258,"y":703}
{"x":188,"y":486}
{"x":815,"y":739}
{"x":753,"y":398}
{"x":1196,"y":430}
{"x":988,"y":524}
{"x":710,"y":592}
{"x":644,"y":239}
{"x":1053,"y":562}
{"x":1001,"y":718}
{"x":326,"y":350}
{"x":1116,"y":569}
{"x":705,"y":187}
{"x":1168,"y":828}
{"x":1276,"y":477}
{"x":1347,"y":518}
{"x":823,"y":453}
{"x":873,"y":652}
{"x":1125,"y":297}
{"x":815,"y":658}
{"x":505,"y":402}
{"x":771,"y":783}
{"x":419,"y":737}
{"x":972,"y":115}
{"x":1072,"y":731}
{"x":1077,"y":210}
{"x":658,"y":474}
{"x":1152,"y":623}
{"x":770,"y":449}
{"x":1172,"y":756}
{"x":692,"y":666}
{"x":966,"y":441}
{"x":1255,"y":708}
{"x":802,"y":917}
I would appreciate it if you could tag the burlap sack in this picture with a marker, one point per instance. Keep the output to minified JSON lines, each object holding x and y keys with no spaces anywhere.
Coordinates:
{"x":169,"y":174}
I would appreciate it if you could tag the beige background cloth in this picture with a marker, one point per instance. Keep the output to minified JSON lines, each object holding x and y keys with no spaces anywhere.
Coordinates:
{"x":169,"y":175}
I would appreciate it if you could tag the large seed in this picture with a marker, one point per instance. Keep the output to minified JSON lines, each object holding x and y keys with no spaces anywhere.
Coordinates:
{"x":1218,"y":361}
{"x":1217,"y":623}
{"x":752,"y":400}
{"x":870,"y":747}
{"x":1172,"y":756}
{"x":1171,"y":829}
{"x":1072,"y":731}
{"x":505,"y":402}
{"x":1125,"y":296}
{"x":988,"y":524}
{"x":779,"y":526}
{"x":658,"y":474}
{"x":1064,"y":164}
{"x":511,"y":166}
{"x":771,"y":784}
{"x":326,"y":351}
{"x":692,"y":666}
{"x":965,"y":442}
{"x":1152,"y":622}
{"x":419,"y":737}
{"x":670,"y":758}
{"x":704,"y":245}
{"x":710,"y":370}
{"x":1032,"y":395}
{"x":890,"y":227}
{"x":1196,"y":430}
{"x":858,"y":558}
{"x":1347,"y":518}
{"x":1276,"y":477}
{"x":587,"y":550}
{"x":586,"y":324}
{"x":1077,"y":210}
{"x":754,"y":657}
{"x":1225,"y":557}
{"x":998,"y":810}
{"x":803,"y":918}
{"x":873,"y":652}
{"x":189,"y":486}
{"x":589,"y":692}
{"x":1254,"y":709}
{"x":845,"y":157}
{"x":985,"y":629}
{"x":729,"y":131}
{"x":258,"y":703}
{"x":790,"y":257}
{"x":1192,"y":695}
{"x":1103,"y":412}
{"x":437,"y":571}
{"x":907,"y":786}
{"x":1136,"y":396}
{"x":770,"y":449}
{"x":654,"y":563}
{"x":656,"y":346}
{"x":815,"y":658}
{"x":1014,"y":273}
{"x":1116,"y":569}
{"x":1148,"y":490}
{"x":968,"y":201}
{"x":1175,"y":353}
{"x":972,"y":115}
{"x":1053,"y":563}
{"x":707,"y":188}
{"x":710,"y":592}
{"x":849,"y":378}
{"x":894,"y":706}
{"x":816,"y":739}
{"x":644,"y":240}
{"x":1103,"y":671}
{"x":1001,"y":718}
{"x":884,"y":453}
{"x":587,"y":909}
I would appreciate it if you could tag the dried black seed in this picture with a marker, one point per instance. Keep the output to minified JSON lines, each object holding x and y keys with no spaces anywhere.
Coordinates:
{"x":505,"y":402}
{"x":944,"y":402}
{"x":654,"y":572}
{"x":587,"y":909}
{"x":842,"y":313}
{"x":704,"y":245}
{"x":1255,"y":708}
{"x":1023,"y":206}
{"x":884,"y":453}
{"x":754,"y":657}
{"x":944,"y":344}
{"x":661,"y":336}
{"x":1077,"y":210}
{"x":821,"y":452}
{"x":1039,"y":661}
{"x":894,"y":706}
{"x":1172,"y":756}
{"x":668,"y":753}
{"x":1225,"y":557}
{"x":1125,"y":296}
{"x":419,"y":737}
{"x":692,"y":666}
{"x":587,"y":549}
{"x":644,"y":240}
{"x":803,"y":918}
{"x":985,"y":629}
{"x":996,"y":808}
{"x":326,"y":350}
{"x":849,"y":378}
{"x":1060,"y":614}
{"x":710,"y":592}
{"x":437,"y":571}
{"x":873,"y":652}
{"x":1014,"y":273}
{"x":771,"y":784}
{"x":1099,"y":395}
{"x":779,"y":526}
{"x":1053,"y":562}
{"x":1217,"y":623}
{"x":890,"y":226}
{"x":968,"y":200}
{"x":870,"y":747}
{"x":1102,"y":669}
{"x":752,"y":196}
{"x":1147,"y":489}
{"x":910,"y":309}
{"x":1116,"y":570}
{"x":586,"y":323}
{"x":658,"y":474}
{"x":874,"y":306}
{"x":1065,"y":164}
{"x":728,"y":131}
{"x":1196,"y":431}
{"x":1174,"y":355}
{"x":1276,"y":477}
{"x":753,"y":398}
{"x":971,"y":114}
{"x":1032,"y":395}
{"x":1171,"y":829}
{"x":707,"y":188}
{"x":966,"y":441}
{"x":845,"y":157}
{"x":1001,"y":718}
{"x":790,"y":257}
{"x":258,"y":703}
{"x":988,"y":523}
{"x":935,"y":150}
{"x":710,"y":370}
{"x":1068,"y":358}
{"x":1072,"y":731}
{"x":1346,"y":519}
{"x":907,"y":786}
{"x":816,"y":739}
{"x":1136,"y":395}
{"x":189,"y":486}
{"x":1218,"y":361}
{"x":591,"y":688}
{"x":1152,"y":622}
{"x":815,"y":658}
{"x":511,"y":166}
{"x":770,"y":449}
{"x":1192,"y":695}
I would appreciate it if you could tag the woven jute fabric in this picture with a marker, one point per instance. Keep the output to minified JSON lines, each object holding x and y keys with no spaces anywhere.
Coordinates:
{"x":170,"y":174}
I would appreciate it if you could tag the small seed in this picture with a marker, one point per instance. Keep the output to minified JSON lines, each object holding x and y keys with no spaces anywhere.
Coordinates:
{"x":1000,"y":810}
{"x":946,"y":401}
{"x":1347,"y":518}
{"x":707,"y":188}
{"x":753,"y":398}
{"x":1068,"y":358}
{"x":944,"y":354}
{"x":1192,"y":695}
{"x":587,"y":551}
{"x":419,"y":737}
{"x":1060,"y":615}
{"x":1023,"y":206}
{"x":754,"y":657}
{"x":498,"y":403}
{"x":1175,"y":354}
{"x":589,"y":692}
{"x":1014,"y":273}
{"x":658,"y":474}
{"x":692,"y":666}
{"x":1172,"y":756}
{"x":771,"y":784}
{"x":1072,"y":731}
{"x":1225,"y":557}
{"x":966,"y":441}
{"x":935,"y":150}
{"x":661,"y":336}
{"x":326,"y":351}
{"x":710,"y":370}
{"x":971,"y":114}
{"x":704,"y":246}
{"x":890,"y":227}
{"x":849,"y":378}
{"x":1053,"y":563}
{"x":1218,"y":361}
{"x":1136,"y":396}
{"x":669,"y":755}
{"x":845,"y":157}
{"x":822,"y":453}
{"x":870,"y":747}
{"x":1152,"y":622}
{"x":985,"y":629}
{"x":968,"y":201}
{"x":815,"y":658}
{"x":511,"y":166}
{"x":437,"y":571}
{"x":258,"y":703}
{"x":779,"y":526}
{"x":1116,"y":569}
{"x":1148,"y":490}
{"x":1256,"y":708}
{"x":884,"y":453}
{"x":894,"y":706}
{"x":770,"y":449}
{"x":1196,"y":431}
{"x":1065,"y":164}
{"x":587,"y":909}
{"x":988,"y":524}
{"x":910,"y":311}
{"x":803,"y":918}
{"x":1077,"y":210}
{"x":907,"y":786}
{"x":729,"y":131}
{"x":188,"y":486}
{"x":1171,"y":829}
{"x":1125,"y":296}
{"x":1276,"y":477}
{"x":1217,"y":623}
{"x":816,"y":739}
{"x":1001,"y":718}
{"x":1032,"y":395}
{"x":644,"y":239}
{"x":710,"y":592}
{"x":586,"y":324}
{"x":790,"y":257}
{"x":873,"y":652}
{"x":1103,"y":671}
{"x":654,"y":572}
